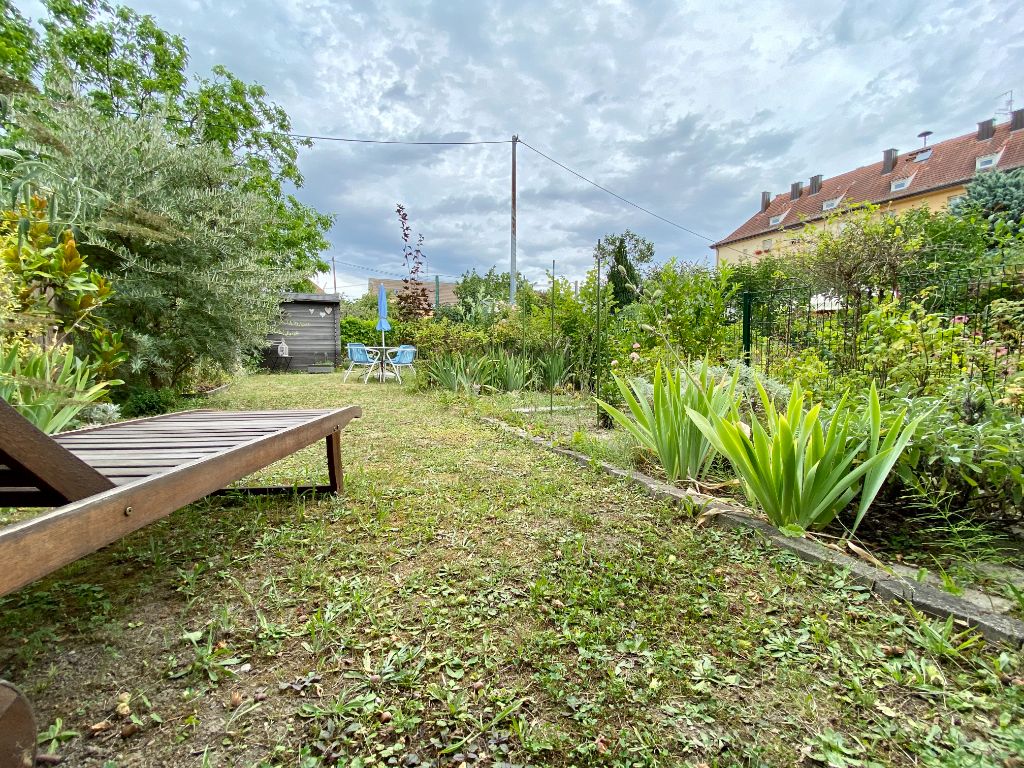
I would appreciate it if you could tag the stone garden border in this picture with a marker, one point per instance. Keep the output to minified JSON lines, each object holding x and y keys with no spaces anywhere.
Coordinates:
{"x":924,"y":597}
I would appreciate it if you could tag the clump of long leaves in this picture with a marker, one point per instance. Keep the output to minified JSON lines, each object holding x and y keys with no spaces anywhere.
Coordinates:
{"x":661,"y":422}
{"x":512,"y":373}
{"x":552,"y":367}
{"x":799,"y":470}
{"x":465,"y":374}
{"x":48,"y":387}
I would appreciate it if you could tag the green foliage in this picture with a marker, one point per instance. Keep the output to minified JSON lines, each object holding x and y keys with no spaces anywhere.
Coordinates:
{"x":998,"y":197}
{"x":182,"y":237}
{"x":625,"y":254}
{"x":490,"y":288}
{"x":143,"y":401}
{"x":686,"y":307}
{"x":512,"y":372}
{"x":48,"y":386}
{"x":663,"y":423}
{"x":552,"y":367}
{"x":356,"y":330}
{"x":438,"y":337}
{"x":126,"y":66}
{"x":800,"y":472}
{"x":463,"y":374}
{"x":18,"y":44}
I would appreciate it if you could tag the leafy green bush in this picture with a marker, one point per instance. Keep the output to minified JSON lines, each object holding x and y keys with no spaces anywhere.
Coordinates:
{"x":147,"y":402}
{"x":800,"y":472}
{"x":663,"y":423}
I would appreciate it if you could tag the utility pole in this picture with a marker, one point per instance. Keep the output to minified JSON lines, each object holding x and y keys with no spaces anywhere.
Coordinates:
{"x":334,"y":272}
{"x":512,"y":268}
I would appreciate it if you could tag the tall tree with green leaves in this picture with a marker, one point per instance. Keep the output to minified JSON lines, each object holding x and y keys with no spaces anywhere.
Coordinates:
{"x":625,"y":254}
{"x":128,"y":67}
{"x":18,"y":44}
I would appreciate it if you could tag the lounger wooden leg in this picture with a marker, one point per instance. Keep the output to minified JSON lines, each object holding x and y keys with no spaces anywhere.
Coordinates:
{"x":334,"y":468}
{"x":17,"y":728}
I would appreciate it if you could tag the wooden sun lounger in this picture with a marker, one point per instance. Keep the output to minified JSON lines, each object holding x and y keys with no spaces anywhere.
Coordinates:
{"x":109,"y":481}
{"x":114,"y":479}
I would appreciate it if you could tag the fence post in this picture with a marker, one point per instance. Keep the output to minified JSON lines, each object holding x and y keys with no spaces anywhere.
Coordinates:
{"x":437,"y":292}
{"x":748,"y":301}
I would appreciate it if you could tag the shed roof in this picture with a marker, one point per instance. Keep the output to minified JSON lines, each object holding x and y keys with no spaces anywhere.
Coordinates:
{"x":323,"y":298}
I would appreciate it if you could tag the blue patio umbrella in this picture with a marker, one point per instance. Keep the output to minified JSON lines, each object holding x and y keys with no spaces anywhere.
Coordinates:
{"x":382,"y":312}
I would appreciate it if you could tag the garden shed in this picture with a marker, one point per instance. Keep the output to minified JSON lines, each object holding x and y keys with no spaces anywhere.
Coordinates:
{"x":309,"y":328}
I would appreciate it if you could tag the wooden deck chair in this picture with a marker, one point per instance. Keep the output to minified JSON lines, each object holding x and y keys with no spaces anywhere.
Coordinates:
{"x":109,"y":481}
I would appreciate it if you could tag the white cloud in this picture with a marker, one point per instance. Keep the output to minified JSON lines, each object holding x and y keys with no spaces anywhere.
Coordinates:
{"x":690,"y":110}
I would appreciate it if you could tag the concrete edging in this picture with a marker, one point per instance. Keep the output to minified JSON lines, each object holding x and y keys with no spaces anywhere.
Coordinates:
{"x":923,"y":597}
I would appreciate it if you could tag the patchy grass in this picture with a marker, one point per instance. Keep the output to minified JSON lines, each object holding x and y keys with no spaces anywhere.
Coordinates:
{"x":475,"y":600}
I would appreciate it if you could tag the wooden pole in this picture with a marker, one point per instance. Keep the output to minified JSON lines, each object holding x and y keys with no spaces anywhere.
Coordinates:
{"x":512,"y":266}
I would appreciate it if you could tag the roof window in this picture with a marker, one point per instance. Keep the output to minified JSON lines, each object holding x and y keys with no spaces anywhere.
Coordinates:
{"x":777,"y":218}
{"x":828,"y":205}
{"x":898,"y":184}
{"x":923,"y":155}
{"x":986,"y":161}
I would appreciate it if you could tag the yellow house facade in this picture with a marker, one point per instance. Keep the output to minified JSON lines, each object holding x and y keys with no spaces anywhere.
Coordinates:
{"x":933,"y":176}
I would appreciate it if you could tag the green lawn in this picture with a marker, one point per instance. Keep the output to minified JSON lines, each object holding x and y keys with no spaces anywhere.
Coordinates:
{"x":474,"y":599}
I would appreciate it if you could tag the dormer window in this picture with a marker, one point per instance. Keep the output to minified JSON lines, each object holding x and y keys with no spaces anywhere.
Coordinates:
{"x":986,"y":161}
{"x":898,"y":184}
{"x":777,"y":219}
{"x":828,"y":205}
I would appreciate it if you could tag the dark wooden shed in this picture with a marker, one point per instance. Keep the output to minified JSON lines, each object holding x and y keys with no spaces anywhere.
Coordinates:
{"x":309,"y":326}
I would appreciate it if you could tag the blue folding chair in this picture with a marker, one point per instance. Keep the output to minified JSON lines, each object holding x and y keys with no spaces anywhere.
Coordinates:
{"x":358,"y":354}
{"x":403,"y":357}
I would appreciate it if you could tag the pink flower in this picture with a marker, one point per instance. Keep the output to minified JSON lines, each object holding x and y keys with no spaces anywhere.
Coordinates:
{"x":636,"y":345}
{"x":634,"y":356}
{"x":614,"y":363}
{"x":960,"y":319}
{"x":1001,"y":351}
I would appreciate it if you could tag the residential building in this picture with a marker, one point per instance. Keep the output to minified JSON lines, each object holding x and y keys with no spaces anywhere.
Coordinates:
{"x":934,"y":176}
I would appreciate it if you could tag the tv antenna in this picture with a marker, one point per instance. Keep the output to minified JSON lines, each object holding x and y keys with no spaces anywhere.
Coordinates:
{"x":1009,"y":103}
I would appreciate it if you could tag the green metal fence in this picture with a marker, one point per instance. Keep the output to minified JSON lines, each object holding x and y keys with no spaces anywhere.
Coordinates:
{"x":970,"y":321}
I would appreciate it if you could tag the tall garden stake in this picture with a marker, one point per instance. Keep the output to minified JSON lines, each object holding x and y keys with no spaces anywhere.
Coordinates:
{"x":551,"y":298}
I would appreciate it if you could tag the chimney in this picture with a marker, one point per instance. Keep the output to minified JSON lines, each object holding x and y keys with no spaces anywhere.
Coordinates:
{"x":766,"y":200}
{"x":816,"y":183}
{"x":1017,"y":119}
{"x":795,"y":189}
{"x":986,"y":129}
{"x":889,"y":160}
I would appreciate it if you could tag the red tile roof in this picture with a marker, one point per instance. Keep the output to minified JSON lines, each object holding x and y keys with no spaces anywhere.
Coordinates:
{"x":952,"y":162}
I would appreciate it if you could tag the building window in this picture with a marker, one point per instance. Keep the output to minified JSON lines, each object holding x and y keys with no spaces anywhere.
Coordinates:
{"x":766,"y":245}
{"x":898,"y":184}
{"x":777,"y":219}
{"x":923,"y":155}
{"x":986,"y":161}
{"x":828,"y":205}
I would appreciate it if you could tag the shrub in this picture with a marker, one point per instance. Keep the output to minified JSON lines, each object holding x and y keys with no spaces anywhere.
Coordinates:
{"x":147,"y":402}
{"x":552,"y":367}
{"x":800,"y":472}
{"x":512,"y":373}
{"x":663,"y":423}
{"x":460,"y":373}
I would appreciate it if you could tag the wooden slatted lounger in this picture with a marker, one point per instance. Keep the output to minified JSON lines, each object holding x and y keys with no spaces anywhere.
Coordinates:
{"x":109,"y":481}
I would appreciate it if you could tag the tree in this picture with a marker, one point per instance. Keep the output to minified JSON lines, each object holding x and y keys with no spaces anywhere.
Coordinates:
{"x":181,"y":233}
{"x":413,"y":300}
{"x":126,"y":66}
{"x":999,"y":196}
{"x":18,"y":44}
{"x":625,"y":254}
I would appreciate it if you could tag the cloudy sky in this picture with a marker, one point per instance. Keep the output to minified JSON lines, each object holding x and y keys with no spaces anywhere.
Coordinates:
{"x":688,"y":109}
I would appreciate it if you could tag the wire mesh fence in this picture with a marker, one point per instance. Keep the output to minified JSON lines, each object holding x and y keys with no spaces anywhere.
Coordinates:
{"x":925,"y":324}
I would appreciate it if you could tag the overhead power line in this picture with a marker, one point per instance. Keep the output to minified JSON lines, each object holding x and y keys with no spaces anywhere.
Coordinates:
{"x":311,"y":137}
{"x":639,"y":207}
